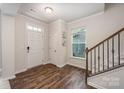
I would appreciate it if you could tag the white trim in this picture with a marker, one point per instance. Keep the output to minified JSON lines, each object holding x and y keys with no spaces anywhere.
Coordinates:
{"x":87,"y":17}
{"x":7,"y":78}
{"x":95,"y":85}
{"x":60,"y":66}
{"x":33,"y":18}
{"x":76,"y":65}
{"x":22,"y":70}
{"x":78,"y":58}
{"x":0,"y":70}
{"x":1,"y":44}
{"x":46,"y":62}
{"x":79,"y":42}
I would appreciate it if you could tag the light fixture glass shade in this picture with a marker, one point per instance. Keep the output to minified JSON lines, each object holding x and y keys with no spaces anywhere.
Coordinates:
{"x":48,"y":10}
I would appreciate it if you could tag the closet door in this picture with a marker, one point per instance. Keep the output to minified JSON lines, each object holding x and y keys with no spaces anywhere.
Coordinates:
{"x":53,"y":49}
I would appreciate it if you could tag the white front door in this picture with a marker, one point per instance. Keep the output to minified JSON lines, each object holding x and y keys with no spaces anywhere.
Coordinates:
{"x":34,"y":48}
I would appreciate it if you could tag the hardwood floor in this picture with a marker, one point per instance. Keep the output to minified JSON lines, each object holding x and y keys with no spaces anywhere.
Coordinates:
{"x":50,"y":77}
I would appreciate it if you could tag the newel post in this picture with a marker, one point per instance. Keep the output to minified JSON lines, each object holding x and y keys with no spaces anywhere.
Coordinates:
{"x":86,"y":72}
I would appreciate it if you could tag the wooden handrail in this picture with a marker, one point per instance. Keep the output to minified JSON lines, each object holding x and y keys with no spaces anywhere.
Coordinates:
{"x":107,"y":39}
{"x":96,"y":57}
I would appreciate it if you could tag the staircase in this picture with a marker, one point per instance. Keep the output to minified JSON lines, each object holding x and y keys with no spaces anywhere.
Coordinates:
{"x":106,"y":59}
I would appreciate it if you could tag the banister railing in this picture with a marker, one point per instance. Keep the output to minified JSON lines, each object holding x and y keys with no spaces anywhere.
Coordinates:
{"x":104,"y":56}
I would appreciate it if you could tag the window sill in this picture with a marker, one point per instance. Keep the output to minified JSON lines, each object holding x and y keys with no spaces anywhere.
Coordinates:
{"x":78,"y":58}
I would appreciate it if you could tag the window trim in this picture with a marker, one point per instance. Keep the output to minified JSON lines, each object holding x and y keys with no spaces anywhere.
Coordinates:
{"x":82,"y":58}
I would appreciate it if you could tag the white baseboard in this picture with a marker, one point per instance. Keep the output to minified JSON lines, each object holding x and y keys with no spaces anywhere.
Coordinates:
{"x":95,"y":86}
{"x":4,"y":84}
{"x":46,"y":62}
{"x":22,"y":70}
{"x":7,"y":78}
{"x":60,"y":66}
{"x":76,"y":65}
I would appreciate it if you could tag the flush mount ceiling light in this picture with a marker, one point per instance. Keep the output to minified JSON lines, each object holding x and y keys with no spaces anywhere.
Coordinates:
{"x":32,"y":10}
{"x":48,"y":10}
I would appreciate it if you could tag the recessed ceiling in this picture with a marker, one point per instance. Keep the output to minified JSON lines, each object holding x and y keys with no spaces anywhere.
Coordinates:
{"x":65,"y":11}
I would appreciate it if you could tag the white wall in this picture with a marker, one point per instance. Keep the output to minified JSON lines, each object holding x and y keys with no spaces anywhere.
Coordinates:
{"x":14,"y":54}
{"x":56,"y":30}
{"x":0,"y":46}
{"x":113,"y":79}
{"x":21,"y":39}
{"x":98,"y":28}
{"x":8,"y":46}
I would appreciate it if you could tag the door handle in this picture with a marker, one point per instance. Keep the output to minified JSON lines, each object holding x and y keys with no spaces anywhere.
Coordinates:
{"x":54,"y":50}
{"x":28,"y":48}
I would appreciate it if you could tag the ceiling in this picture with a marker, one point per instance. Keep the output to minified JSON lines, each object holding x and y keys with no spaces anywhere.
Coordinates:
{"x":65,"y":11}
{"x":9,"y":9}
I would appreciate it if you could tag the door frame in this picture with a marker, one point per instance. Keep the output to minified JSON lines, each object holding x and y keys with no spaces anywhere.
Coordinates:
{"x":26,"y":42}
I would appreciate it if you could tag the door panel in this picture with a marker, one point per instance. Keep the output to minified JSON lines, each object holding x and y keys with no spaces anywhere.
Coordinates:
{"x":35,"y":50}
{"x":53,"y":48}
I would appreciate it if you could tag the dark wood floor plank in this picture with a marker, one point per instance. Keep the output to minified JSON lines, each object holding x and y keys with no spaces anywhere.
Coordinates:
{"x":50,"y":77}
